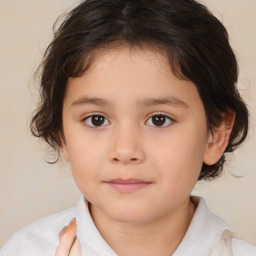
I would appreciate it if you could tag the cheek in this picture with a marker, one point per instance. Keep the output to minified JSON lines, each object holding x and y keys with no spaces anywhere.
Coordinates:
{"x":180,"y":156}
{"x":86,"y":160}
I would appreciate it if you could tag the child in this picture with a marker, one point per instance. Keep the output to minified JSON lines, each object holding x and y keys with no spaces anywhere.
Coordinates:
{"x":141,"y":98}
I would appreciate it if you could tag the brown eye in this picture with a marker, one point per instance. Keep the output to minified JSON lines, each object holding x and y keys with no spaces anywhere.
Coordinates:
{"x":96,"y":120}
{"x":159,"y":120}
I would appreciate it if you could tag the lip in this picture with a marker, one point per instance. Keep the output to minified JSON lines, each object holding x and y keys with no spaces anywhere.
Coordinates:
{"x":127,"y":185}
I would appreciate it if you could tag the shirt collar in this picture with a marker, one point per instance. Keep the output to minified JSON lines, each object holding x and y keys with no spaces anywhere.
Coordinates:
{"x":91,"y":240}
{"x":204,"y":232}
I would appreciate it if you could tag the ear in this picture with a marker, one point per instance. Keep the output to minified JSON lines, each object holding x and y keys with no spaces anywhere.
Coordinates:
{"x":219,"y":139}
{"x":64,"y":147}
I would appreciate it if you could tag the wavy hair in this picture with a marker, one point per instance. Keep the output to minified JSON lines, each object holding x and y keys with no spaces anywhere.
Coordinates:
{"x":193,"y":39}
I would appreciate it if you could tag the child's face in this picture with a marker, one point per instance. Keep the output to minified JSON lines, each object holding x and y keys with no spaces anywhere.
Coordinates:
{"x":163,"y":157}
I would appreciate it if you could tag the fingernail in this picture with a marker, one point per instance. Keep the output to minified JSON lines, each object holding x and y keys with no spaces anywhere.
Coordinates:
{"x":73,"y":220}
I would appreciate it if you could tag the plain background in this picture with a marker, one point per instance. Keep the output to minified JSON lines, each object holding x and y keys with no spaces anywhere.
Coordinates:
{"x":30,"y":188}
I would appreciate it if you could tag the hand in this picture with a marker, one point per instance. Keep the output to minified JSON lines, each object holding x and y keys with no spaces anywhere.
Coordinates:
{"x":69,"y":244}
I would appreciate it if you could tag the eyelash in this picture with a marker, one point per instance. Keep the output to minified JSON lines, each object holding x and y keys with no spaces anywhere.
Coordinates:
{"x":171,"y":120}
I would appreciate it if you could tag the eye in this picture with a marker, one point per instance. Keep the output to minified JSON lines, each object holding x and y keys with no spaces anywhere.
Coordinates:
{"x":159,"y":120}
{"x":96,"y":120}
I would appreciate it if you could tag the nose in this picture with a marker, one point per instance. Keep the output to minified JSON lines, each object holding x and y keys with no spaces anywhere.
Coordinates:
{"x":126,"y":147}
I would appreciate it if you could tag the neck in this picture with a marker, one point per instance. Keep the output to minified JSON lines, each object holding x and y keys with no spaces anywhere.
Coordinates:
{"x":157,"y":237}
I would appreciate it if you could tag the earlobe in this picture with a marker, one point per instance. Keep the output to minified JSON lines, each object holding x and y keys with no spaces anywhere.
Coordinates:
{"x":219,"y":139}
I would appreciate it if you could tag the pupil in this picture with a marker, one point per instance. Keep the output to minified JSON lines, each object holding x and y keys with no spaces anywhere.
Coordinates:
{"x":97,"y":120}
{"x":159,"y":120}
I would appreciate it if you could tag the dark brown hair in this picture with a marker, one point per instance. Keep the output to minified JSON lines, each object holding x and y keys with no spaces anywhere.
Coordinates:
{"x":194,"y":41}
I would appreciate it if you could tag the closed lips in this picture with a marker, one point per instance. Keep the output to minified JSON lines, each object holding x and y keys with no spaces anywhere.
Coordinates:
{"x":127,"y":185}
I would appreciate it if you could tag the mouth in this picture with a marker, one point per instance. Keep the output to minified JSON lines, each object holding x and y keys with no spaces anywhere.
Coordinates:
{"x":127,"y":185}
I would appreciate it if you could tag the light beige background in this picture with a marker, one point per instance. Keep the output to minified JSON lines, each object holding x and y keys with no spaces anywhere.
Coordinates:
{"x":30,"y":188}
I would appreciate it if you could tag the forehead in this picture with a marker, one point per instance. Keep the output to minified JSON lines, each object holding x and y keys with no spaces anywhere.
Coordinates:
{"x":135,"y":73}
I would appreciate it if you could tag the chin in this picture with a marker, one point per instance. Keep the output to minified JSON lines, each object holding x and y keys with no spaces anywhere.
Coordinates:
{"x":131,"y":215}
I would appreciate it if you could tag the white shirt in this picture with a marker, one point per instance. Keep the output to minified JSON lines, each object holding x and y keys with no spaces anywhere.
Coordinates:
{"x":207,"y":235}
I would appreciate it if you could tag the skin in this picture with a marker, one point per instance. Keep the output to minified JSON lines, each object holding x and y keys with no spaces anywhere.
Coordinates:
{"x":69,"y":245}
{"x":130,"y":144}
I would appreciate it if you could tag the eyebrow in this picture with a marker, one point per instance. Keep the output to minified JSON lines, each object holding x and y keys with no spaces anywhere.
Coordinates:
{"x":171,"y":100}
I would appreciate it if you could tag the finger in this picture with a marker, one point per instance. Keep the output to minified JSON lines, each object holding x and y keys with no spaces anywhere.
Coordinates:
{"x":76,"y":249}
{"x":62,"y":232}
{"x":67,"y":236}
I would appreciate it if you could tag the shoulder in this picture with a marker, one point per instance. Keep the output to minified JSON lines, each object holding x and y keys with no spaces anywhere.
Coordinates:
{"x":219,"y":239}
{"x":242,"y":248}
{"x":40,"y":237}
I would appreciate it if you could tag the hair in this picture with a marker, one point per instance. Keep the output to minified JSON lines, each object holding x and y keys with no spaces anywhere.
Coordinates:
{"x":193,"y":39}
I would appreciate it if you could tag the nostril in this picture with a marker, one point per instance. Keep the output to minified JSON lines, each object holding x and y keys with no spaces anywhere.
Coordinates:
{"x":131,"y":160}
